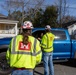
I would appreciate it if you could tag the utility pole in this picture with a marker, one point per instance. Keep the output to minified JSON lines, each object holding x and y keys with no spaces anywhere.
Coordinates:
{"x":60,"y":13}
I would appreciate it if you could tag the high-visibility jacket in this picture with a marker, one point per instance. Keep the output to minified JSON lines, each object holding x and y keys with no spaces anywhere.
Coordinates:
{"x":47,"y":42}
{"x":24,"y":56}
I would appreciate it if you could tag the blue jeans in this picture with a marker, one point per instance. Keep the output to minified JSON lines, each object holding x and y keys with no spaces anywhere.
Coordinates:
{"x":22,"y":72}
{"x":48,"y":63}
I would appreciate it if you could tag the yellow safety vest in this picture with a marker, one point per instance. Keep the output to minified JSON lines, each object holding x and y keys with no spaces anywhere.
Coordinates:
{"x":47,"y":42}
{"x":24,"y":56}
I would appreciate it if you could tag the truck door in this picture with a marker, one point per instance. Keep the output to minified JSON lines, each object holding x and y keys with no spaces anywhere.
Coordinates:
{"x":62,"y":45}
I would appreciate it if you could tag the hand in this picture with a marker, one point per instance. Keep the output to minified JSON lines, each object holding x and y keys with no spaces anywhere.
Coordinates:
{"x":39,"y":38}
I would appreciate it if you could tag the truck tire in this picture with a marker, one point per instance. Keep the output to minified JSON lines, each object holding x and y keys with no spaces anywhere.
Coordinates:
{"x":4,"y":67}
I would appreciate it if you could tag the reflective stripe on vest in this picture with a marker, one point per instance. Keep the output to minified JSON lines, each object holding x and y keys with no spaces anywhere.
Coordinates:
{"x":47,"y":40}
{"x":28,"y":53}
{"x":49,"y":47}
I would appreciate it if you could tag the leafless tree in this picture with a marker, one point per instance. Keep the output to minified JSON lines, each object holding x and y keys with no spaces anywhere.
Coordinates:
{"x":62,"y":9}
{"x":23,"y":6}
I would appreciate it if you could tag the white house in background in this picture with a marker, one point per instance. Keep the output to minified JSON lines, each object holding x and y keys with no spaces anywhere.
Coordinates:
{"x":8,"y":28}
{"x":72,"y":29}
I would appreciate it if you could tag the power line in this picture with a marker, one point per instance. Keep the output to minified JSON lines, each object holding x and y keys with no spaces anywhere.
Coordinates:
{"x":58,"y":6}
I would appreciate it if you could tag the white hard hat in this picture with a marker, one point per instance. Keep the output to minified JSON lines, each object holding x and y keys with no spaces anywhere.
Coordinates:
{"x":47,"y":27}
{"x":27,"y":25}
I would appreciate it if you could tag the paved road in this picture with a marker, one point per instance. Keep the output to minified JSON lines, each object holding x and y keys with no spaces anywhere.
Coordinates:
{"x":64,"y":68}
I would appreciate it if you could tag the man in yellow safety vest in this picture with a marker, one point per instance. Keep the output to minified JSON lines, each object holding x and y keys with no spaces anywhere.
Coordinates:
{"x":47,"y":48}
{"x":24,"y":51}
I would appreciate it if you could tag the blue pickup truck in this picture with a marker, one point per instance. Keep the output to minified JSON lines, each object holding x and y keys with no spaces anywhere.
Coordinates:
{"x":64,"y":47}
